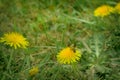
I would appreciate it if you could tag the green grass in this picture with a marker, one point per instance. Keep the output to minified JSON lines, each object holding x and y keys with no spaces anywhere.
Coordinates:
{"x":51,"y":26}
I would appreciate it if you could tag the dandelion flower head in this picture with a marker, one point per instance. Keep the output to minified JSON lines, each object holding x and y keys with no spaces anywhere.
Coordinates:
{"x":117,"y":8}
{"x":14,"y":39}
{"x":103,"y":11}
{"x":68,"y":56}
{"x":33,"y":71}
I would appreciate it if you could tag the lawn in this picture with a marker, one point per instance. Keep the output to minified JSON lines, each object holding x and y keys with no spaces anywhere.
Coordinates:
{"x":59,"y":40}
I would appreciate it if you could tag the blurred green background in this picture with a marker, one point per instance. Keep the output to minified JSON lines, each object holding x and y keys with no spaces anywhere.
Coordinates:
{"x":51,"y":25}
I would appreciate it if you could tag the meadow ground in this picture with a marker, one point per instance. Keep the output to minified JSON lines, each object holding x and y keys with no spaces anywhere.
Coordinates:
{"x":47,"y":28}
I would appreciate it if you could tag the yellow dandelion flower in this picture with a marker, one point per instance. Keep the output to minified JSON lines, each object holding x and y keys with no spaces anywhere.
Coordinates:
{"x":14,"y":40}
{"x":68,"y":56}
{"x":33,"y":71}
{"x":117,"y":8}
{"x":103,"y":11}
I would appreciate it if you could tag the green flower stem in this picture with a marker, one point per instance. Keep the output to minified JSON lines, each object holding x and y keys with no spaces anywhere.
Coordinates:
{"x":96,"y":45}
{"x":10,"y":59}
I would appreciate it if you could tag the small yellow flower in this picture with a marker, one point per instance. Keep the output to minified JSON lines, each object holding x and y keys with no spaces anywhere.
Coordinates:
{"x":103,"y":11}
{"x":68,"y":56}
{"x":33,"y":71}
{"x":117,"y":8}
{"x":14,"y":40}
